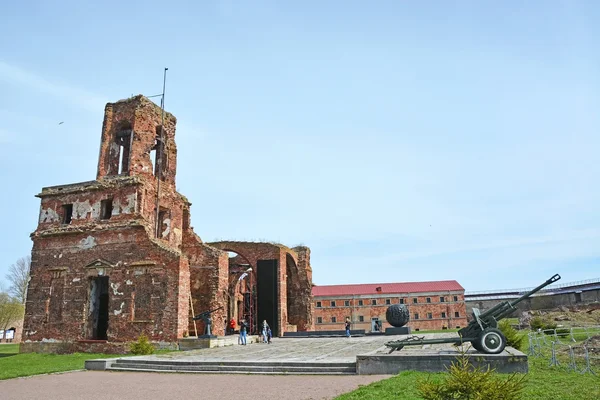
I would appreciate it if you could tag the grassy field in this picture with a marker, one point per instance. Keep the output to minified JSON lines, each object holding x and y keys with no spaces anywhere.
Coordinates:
{"x":543,"y":382}
{"x":13,"y":364}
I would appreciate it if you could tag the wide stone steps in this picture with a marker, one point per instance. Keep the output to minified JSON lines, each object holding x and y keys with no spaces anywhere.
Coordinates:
{"x":234,"y":367}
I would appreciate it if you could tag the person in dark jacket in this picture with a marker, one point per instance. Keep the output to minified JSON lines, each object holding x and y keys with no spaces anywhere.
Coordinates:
{"x":347,"y":327}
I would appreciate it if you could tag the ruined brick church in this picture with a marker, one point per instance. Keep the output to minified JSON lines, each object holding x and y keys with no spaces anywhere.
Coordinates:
{"x":116,"y":257}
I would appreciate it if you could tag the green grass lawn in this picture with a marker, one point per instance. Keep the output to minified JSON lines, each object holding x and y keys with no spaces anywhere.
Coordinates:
{"x":13,"y":364}
{"x":543,"y":382}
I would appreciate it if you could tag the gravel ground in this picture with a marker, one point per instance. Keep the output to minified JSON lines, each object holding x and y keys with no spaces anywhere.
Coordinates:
{"x":103,"y":385}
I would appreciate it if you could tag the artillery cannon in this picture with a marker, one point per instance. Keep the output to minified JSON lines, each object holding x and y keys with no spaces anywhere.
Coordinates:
{"x":482,"y":332}
{"x":205,"y":317}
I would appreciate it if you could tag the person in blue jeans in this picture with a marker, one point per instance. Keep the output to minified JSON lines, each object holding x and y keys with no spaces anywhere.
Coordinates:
{"x":243,"y":329}
{"x":347,"y":327}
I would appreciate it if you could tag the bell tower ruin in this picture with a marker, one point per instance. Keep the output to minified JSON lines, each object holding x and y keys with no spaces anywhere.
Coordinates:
{"x":116,"y":257}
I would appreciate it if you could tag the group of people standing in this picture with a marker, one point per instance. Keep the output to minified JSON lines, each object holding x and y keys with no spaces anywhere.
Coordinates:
{"x":266,"y":333}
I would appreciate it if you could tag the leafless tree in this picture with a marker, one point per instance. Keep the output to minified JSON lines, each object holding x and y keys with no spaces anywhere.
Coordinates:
{"x":11,"y":311}
{"x":18,"y":276}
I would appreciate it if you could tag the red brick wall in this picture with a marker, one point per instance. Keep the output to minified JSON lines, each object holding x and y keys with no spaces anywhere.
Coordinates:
{"x":152,"y":272}
{"x":368,"y":311}
{"x":62,"y":266}
{"x":253,"y":252}
{"x":208,"y":281}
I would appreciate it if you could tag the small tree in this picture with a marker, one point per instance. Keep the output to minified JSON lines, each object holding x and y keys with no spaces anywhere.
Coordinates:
{"x":18,"y":276}
{"x":464,"y":381}
{"x":513,"y":338}
{"x":142,"y":346}
{"x":11,"y":311}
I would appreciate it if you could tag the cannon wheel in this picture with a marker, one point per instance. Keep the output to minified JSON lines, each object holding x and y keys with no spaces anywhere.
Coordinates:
{"x":491,"y":341}
{"x":475,"y":345}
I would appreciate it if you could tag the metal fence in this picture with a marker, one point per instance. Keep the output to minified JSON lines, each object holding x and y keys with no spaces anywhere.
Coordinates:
{"x":576,"y":349}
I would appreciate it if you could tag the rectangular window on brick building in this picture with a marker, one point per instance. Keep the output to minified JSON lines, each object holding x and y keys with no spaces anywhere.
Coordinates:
{"x":428,"y":300}
{"x":388,"y":301}
{"x":401,"y":301}
{"x":360,"y":303}
{"x":442,"y":299}
{"x":361,"y":318}
{"x":416,"y":316}
{"x":67,"y":216}
{"x":106,"y":207}
{"x":347,"y":303}
{"x":319,"y":320}
{"x":374,"y":302}
{"x":333,"y":319}
{"x":319,"y":305}
{"x":429,"y":315}
{"x":333,"y":304}
{"x":415,"y":300}
{"x":455,"y":298}
{"x":456,"y":314}
{"x":443,"y":315}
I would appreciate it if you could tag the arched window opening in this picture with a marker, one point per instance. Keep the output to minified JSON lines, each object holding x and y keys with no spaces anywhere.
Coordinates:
{"x":120,"y":148}
{"x":158,"y":154}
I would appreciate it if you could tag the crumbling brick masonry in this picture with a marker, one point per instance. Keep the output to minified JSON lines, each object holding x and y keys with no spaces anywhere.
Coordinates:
{"x":116,"y":257}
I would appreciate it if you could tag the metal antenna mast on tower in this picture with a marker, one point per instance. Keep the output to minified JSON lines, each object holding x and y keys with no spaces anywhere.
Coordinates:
{"x":159,"y":154}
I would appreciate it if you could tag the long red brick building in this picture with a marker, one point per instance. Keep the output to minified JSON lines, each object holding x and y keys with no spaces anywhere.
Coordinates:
{"x":432,"y":305}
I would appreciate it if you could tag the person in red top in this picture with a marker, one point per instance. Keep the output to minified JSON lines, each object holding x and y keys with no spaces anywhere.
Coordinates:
{"x":232,"y":326}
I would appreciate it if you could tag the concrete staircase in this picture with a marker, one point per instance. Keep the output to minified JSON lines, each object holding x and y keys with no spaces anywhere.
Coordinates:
{"x":233,"y":367}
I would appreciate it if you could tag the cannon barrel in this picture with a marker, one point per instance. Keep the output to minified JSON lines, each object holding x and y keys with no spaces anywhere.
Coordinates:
{"x":206,"y":313}
{"x":501,"y":308}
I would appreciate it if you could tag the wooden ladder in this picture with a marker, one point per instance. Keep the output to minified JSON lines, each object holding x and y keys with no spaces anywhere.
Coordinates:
{"x":193,"y":315}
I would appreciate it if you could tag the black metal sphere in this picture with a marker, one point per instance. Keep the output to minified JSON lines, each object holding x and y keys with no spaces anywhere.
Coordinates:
{"x":397,"y":315}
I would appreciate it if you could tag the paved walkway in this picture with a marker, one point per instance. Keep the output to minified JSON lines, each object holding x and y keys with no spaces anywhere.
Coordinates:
{"x":105,"y":385}
{"x":92,"y":385}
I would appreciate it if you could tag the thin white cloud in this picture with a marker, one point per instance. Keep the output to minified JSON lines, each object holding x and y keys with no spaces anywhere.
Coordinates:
{"x":18,"y":76}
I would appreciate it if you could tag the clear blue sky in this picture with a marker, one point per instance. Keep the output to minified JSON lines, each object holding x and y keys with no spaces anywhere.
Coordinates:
{"x":400,"y":141}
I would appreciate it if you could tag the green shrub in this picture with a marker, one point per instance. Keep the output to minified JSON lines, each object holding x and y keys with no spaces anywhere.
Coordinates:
{"x":541,"y":323}
{"x":563,"y":332}
{"x":142,"y":346}
{"x":513,"y":337}
{"x":467,"y":382}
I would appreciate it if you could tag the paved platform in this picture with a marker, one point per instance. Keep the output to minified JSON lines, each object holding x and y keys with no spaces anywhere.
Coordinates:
{"x":362,"y":355}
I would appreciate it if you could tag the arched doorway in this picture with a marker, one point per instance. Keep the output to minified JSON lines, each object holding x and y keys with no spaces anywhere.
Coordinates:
{"x":241,"y":290}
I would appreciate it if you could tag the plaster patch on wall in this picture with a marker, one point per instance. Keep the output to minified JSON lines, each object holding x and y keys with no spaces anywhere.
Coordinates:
{"x":81,"y":209}
{"x":87,"y":243}
{"x":49,"y":215}
{"x":128,"y":282}
{"x":130,"y":207}
{"x":96,"y":207}
{"x":116,"y":207}
{"x":115,"y":288}
{"x":120,"y":310}
{"x":76,"y":279}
